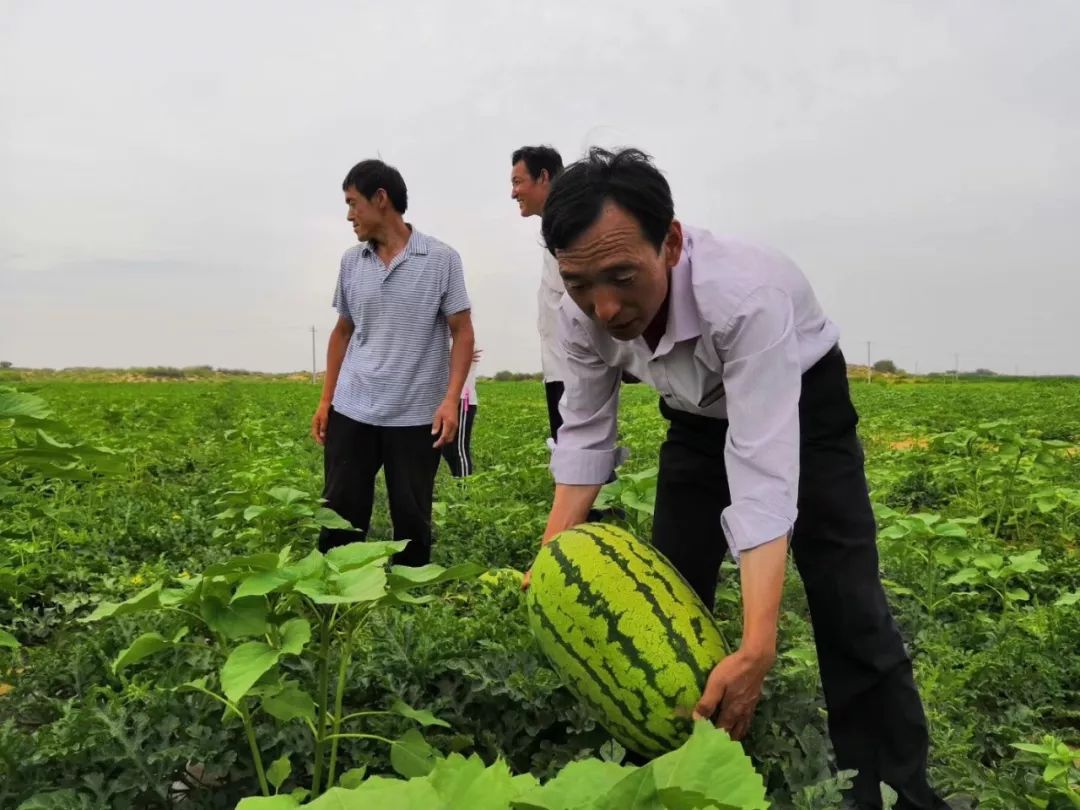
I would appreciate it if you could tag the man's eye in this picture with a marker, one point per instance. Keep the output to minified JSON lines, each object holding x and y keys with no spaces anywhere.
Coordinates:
{"x":623,"y":279}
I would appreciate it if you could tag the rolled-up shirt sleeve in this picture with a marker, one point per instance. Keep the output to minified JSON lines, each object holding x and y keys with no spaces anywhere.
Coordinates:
{"x":585,"y":451}
{"x":762,"y":382}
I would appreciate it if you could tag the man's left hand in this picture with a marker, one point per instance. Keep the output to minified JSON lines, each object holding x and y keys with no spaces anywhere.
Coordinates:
{"x":733,"y":690}
{"x":445,"y":423}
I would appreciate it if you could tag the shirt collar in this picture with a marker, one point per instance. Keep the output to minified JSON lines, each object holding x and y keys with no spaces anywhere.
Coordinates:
{"x":683,"y":322}
{"x":416,"y":246}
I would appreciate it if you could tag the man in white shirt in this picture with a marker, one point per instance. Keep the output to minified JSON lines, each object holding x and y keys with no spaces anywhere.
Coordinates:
{"x":761,"y":449}
{"x":533,"y":170}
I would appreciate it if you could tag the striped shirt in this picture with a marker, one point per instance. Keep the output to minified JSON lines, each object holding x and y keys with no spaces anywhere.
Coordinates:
{"x":397,"y":367}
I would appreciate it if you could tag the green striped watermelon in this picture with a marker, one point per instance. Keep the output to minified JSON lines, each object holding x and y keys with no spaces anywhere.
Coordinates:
{"x":628,"y":635}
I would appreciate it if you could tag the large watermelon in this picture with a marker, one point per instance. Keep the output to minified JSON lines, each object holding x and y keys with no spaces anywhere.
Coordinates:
{"x":628,"y":635}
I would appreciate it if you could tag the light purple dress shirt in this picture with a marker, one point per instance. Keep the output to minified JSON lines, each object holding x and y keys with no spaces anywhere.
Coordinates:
{"x":743,"y":325}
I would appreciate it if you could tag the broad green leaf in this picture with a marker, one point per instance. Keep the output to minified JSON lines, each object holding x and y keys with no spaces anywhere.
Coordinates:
{"x":278,"y":772}
{"x":146,"y":599}
{"x":1017,"y":595}
{"x":310,"y":566}
{"x":355,"y":555}
{"x":1046,"y":750}
{"x":412,"y":756}
{"x":268,"y":803}
{"x":1054,"y":771}
{"x":253,"y":512}
{"x":949,"y":529}
{"x":578,"y":785}
{"x":403,"y":576}
{"x":15,"y":404}
{"x":244,"y":666}
{"x":383,"y":794}
{"x":988,"y":562}
{"x":262,"y":583}
{"x":1068,"y":600}
{"x":406,"y":598}
{"x":492,"y":788}
{"x":295,"y":633}
{"x":8,"y":640}
{"x":287,"y":495}
{"x":290,"y":703}
{"x":421,"y":716}
{"x":675,"y":798}
{"x":965,"y":576}
{"x":238,"y":565}
{"x":353,"y":777}
{"x":712,"y":764}
{"x":329,"y":519}
{"x":635,"y":791}
{"x":362,"y":584}
{"x":451,"y":773}
{"x":1027,"y":562}
{"x":894,"y":532}
{"x":143,"y":647}
{"x":635,"y":501}
{"x":243,"y":617}
{"x":65,"y":799}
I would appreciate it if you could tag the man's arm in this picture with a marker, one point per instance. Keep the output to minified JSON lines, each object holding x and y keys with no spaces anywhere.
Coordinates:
{"x":336,"y":348}
{"x":570,"y":507}
{"x":445,"y":423}
{"x":585,"y":451}
{"x":763,"y":383}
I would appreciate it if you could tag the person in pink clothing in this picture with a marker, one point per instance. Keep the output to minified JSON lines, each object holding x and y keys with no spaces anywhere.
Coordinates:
{"x":458,"y":453}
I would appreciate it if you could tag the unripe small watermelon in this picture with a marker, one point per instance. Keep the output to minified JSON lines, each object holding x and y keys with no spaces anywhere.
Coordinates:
{"x":626,"y":632}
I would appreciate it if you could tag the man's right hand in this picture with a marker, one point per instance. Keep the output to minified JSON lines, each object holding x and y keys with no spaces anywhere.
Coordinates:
{"x":318,"y":422}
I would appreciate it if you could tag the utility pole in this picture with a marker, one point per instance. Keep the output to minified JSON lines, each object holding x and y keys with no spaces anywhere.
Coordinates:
{"x":868,"y":361}
{"x":312,"y":355}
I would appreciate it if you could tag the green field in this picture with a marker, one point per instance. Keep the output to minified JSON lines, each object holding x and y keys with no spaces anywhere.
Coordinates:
{"x":977,"y":486}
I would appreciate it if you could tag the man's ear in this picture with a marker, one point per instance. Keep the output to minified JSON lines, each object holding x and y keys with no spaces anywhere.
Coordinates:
{"x":673,"y":244}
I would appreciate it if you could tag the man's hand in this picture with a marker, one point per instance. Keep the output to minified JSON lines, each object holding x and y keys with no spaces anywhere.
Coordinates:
{"x":570,"y":508}
{"x":733,"y":690}
{"x":445,"y":423}
{"x":318,"y":423}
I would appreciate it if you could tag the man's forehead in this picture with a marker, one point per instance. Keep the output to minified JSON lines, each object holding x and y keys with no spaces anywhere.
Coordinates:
{"x":603,"y":242}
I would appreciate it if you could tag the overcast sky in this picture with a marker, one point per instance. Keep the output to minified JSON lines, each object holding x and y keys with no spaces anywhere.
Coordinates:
{"x":170,"y":173}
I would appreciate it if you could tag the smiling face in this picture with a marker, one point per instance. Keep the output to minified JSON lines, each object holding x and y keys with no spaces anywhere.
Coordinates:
{"x":615,"y":275}
{"x":529,"y":192}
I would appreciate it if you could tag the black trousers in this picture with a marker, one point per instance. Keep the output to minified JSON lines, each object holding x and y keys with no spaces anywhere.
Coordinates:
{"x":458,"y":454}
{"x":876,"y":718}
{"x":354,"y":453}
{"x":554,"y":391}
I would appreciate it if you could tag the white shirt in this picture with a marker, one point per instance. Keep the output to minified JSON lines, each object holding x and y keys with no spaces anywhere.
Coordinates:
{"x":468,"y":390}
{"x":743,"y":325}
{"x":549,"y":299}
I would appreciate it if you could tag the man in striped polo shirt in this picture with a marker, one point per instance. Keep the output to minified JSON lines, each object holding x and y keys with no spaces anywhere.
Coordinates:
{"x":393,"y":381}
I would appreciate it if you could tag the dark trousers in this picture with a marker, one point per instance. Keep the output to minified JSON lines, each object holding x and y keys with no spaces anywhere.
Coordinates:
{"x":458,"y":453}
{"x":554,"y":391}
{"x":354,"y":452}
{"x":876,"y":718}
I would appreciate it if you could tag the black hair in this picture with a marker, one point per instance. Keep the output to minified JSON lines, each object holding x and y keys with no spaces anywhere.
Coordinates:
{"x":627,"y":177}
{"x":538,"y":159}
{"x":368,"y":176}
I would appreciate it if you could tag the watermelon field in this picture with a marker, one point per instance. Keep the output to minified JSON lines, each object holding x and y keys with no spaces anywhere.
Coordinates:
{"x":168,"y":638}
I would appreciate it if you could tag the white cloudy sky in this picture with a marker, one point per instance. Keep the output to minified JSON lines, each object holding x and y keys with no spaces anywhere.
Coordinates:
{"x":170,"y":172}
